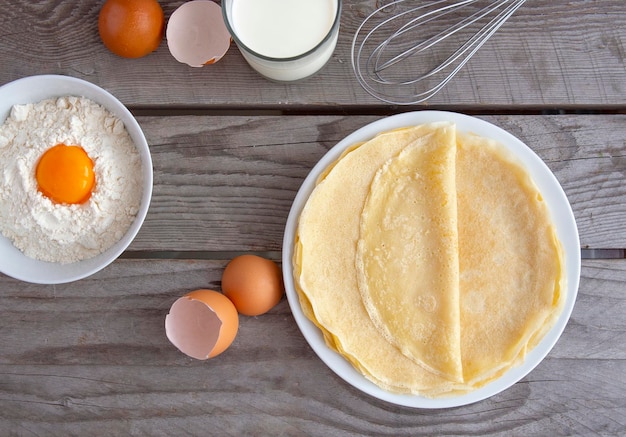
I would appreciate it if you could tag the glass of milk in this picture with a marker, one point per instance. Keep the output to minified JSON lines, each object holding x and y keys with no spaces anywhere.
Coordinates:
{"x":284,"y":40}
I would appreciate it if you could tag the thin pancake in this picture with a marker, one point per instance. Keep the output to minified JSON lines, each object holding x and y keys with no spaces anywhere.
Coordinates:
{"x":510,"y":273}
{"x":407,"y":256}
{"x":328,"y":232}
{"x":509,"y":256}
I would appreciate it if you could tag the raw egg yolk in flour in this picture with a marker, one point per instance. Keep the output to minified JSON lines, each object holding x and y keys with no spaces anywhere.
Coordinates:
{"x":65,"y":174}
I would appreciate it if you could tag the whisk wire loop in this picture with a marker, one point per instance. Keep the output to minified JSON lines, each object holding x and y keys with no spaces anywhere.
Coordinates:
{"x":419,"y":21}
{"x":382,"y":75}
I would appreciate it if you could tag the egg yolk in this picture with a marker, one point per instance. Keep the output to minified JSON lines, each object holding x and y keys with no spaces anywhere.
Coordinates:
{"x":65,"y":174}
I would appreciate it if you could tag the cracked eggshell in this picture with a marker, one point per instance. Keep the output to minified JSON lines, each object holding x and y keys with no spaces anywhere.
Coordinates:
{"x":202,"y":324}
{"x":196,"y":33}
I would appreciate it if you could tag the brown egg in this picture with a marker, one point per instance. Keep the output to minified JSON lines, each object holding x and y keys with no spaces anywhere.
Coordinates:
{"x":254,"y":284}
{"x":202,"y":324}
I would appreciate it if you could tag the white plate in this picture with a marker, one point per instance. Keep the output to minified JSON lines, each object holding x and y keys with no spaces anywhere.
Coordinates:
{"x":562,"y":215}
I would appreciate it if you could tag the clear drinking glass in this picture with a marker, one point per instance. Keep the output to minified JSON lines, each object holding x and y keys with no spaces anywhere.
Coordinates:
{"x":265,"y":31}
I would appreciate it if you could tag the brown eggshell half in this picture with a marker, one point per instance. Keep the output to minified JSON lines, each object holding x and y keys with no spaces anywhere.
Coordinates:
{"x":202,"y":324}
{"x":196,"y":33}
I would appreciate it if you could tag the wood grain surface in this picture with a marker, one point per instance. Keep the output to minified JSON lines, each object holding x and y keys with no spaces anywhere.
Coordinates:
{"x":92,"y":356}
{"x":565,"y":53}
{"x":227,"y":182}
{"x":230,"y":151}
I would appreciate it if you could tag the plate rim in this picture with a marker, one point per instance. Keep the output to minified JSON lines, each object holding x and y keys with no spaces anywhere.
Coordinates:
{"x":561,"y":213}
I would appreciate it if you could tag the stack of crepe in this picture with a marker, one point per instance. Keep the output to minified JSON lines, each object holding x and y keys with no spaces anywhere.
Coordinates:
{"x":428,"y":259}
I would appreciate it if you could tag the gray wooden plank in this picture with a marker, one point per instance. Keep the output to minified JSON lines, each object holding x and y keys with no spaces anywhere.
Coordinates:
{"x":547,"y":55}
{"x":83,"y":357}
{"x":227,"y":182}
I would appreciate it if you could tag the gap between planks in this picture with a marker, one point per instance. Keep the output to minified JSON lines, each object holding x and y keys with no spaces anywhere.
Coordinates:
{"x":364,"y":110}
{"x":196,"y":254}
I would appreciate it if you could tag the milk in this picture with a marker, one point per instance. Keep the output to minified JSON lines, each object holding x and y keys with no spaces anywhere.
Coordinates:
{"x":281,"y":38}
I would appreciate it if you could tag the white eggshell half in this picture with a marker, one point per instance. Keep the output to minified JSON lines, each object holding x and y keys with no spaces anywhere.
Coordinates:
{"x":196,"y":33}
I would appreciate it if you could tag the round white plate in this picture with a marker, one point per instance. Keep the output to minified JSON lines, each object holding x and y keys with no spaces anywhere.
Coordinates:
{"x":562,"y":216}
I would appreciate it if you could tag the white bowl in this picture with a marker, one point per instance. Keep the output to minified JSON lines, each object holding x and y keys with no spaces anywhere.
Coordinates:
{"x":34,"y":89}
{"x":561,"y":214}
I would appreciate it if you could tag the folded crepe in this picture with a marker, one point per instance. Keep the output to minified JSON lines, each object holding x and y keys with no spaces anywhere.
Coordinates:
{"x":510,"y":259}
{"x":407,"y":260}
{"x":428,"y":259}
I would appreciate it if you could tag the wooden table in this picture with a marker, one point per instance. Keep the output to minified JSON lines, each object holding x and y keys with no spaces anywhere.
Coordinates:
{"x":230,"y":150}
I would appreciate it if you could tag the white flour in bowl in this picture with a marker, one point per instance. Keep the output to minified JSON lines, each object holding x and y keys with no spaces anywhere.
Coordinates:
{"x":65,"y":233}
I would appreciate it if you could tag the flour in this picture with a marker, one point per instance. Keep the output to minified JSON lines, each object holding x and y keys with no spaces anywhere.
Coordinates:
{"x":64,"y":233}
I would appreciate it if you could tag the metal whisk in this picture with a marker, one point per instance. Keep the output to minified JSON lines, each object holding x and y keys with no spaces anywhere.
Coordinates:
{"x":445,"y":34}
